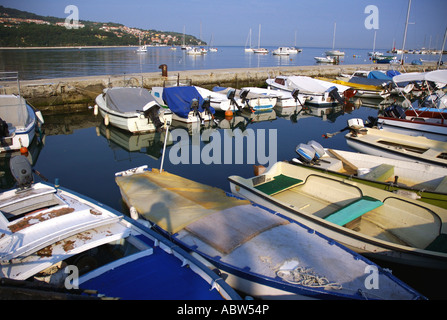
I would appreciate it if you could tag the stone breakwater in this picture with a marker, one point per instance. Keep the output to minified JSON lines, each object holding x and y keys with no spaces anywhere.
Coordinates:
{"x":60,"y":94}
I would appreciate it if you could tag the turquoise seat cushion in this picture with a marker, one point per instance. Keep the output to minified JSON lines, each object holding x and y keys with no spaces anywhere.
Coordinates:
{"x":353,"y":210}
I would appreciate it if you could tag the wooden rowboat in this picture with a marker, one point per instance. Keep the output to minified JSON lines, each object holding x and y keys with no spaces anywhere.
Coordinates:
{"x":369,"y":220}
{"x":425,"y":182}
{"x":398,"y":146}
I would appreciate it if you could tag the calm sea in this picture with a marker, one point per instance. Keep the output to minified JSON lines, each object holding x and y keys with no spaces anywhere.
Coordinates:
{"x":56,"y":63}
{"x":84,"y":155}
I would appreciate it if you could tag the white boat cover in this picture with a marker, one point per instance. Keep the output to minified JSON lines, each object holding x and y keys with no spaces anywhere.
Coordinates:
{"x":439,"y":76}
{"x":129,"y":100}
{"x":14,"y":111}
{"x":307,"y":84}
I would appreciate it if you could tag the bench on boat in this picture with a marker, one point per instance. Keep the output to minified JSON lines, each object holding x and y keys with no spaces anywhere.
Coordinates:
{"x":353,"y":210}
{"x":277,"y":184}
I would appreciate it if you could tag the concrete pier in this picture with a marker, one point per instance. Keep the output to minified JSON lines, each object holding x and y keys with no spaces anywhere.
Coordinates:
{"x":60,"y":94}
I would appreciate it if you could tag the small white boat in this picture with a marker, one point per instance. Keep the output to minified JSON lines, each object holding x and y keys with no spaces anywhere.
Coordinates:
{"x":420,"y":181}
{"x":284,"y":51}
{"x":283,"y":99}
{"x":260,"y":252}
{"x":18,"y":123}
{"x":395,"y":145}
{"x":19,"y":120}
{"x":54,"y":236}
{"x":131,"y":109}
{"x":185,"y":102}
{"x":244,"y":98}
{"x":194,"y":51}
{"x":326,"y":59}
{"x":336,"y":53}
{"x":142,"y":49}
{"x":261,"y":50}
{"x":369,"y":220}
{"x":316,"y":92}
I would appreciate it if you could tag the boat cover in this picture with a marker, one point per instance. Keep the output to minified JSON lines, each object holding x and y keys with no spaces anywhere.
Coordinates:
{"x":439,"y":76}
{"x":14,"y":111}
{"x":378,"y":75}
{"x":307,"y":84}
{"x":128,"y":100}
{"x":178,"y":99}
{"x":178,"y":201}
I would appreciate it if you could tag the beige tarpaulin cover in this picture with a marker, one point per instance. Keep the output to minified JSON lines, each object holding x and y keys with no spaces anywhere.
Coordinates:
{"x":170,"y":201}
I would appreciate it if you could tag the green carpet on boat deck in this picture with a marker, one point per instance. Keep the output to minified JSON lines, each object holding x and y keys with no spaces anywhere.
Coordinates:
{"x":439,"y":244}
{"x":279,"y":183}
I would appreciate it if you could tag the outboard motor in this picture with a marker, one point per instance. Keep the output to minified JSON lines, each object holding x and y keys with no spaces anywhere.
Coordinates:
{"x":206,"y":105}
{"x":394,"y":111}
{"x":305,"y":152}
{"x":152,"y":112}
{"x":230,"y":95}
{"x":243,"y":95}
{"x":21,"y":171}
{"x":4,"y":132}
{"x":333,"y":93}
{"x":319,"y":150}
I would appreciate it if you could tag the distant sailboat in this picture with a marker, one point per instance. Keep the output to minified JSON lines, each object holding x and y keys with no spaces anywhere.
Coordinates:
{"x":259,"y":49}
{"x":334,"y":52}
{"x":248,"y":42}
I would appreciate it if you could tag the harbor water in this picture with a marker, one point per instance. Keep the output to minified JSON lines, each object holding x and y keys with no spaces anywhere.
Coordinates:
{"x":83,"y":155}
{"x":77,"y":62}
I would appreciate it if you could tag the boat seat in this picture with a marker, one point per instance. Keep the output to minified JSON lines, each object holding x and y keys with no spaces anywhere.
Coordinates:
{"x":353,"y":210}
{"x":439,"y":244}
{"x":380,"y":173}
{"x":442,"y":187}
{"x":278,"y":184}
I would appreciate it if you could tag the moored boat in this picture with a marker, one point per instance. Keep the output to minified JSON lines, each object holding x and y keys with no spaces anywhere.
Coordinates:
{"x":56,"y":236}
{"x":315,"y":92}
{"x":369,"y":220}
{"x":185,"y":102}
{"x":237,"y":238}
{"x":427,"y":122}
{"x":19,"y":121}
{"x":396,"y":145}
{"x":131,"y":109}
{"x":245,"y":98}
{"x":416,"y":180}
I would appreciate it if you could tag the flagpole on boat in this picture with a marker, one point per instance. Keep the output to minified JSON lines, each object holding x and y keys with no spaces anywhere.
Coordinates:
{"x":164,"y":146}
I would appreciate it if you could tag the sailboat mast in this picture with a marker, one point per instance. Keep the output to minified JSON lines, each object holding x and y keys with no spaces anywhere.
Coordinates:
{"x":333,"y":39}
{"x":442,"y":49}
{"x":405,"y":33}
{"x":259,"y":37}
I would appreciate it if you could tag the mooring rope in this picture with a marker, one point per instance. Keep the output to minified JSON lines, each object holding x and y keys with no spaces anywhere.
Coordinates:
{"x":306,"y":277}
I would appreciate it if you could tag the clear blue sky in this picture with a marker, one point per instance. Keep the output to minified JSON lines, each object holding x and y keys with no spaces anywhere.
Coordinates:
{"x":229,"y":21}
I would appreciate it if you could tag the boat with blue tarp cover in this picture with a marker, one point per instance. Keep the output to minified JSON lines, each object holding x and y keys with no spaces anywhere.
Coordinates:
{"x":47,"y":230}
{"x":259,"y":251}
{"x":185,"y":102}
